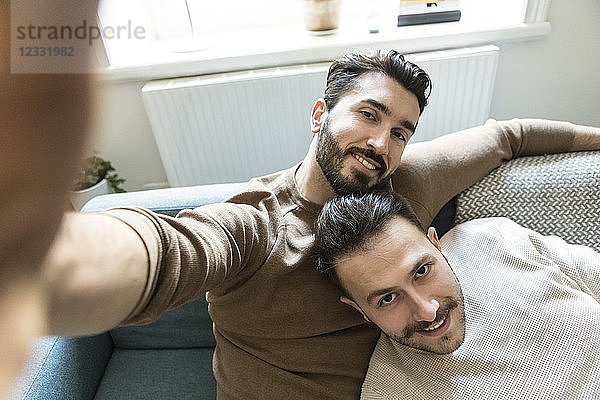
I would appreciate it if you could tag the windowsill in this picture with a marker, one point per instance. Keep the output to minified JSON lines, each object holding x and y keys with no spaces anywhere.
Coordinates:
{"x":293,"y":45}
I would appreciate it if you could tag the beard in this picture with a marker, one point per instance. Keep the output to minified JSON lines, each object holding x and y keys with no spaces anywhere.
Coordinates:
{"x":445,"y":344}
{"x":330,"y":158}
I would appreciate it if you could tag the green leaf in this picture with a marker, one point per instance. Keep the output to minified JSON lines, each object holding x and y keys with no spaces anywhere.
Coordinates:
{"x":93,"y":170}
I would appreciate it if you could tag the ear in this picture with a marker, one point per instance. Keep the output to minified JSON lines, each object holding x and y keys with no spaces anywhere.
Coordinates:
{"x":316,"y":117}
{"x":433,"y":238}
{"x":351,"y":302}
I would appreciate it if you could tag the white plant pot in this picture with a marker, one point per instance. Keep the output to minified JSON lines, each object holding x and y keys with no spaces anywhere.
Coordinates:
{"x":322,"y":15}
{"x":80,"y":197}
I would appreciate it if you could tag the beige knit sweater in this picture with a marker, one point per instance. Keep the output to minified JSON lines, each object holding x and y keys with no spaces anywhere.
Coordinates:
{"x":532,"y":323}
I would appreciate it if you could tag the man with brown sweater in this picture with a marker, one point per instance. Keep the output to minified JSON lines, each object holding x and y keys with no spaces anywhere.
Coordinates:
{"x":281,"y":331}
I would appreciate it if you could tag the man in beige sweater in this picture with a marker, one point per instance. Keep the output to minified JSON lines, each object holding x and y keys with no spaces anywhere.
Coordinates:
{"x":279,"y":327}
{"x":493,"y":310}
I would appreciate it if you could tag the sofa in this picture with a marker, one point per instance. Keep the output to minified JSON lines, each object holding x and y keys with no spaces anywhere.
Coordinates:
{"x":172,"y":357}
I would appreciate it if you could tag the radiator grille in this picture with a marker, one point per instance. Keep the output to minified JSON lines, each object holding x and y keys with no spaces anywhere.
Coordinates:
{"x":234,"y":126}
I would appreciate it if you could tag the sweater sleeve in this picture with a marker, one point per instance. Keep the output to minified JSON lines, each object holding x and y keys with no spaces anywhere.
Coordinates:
{"x":435,"y":171}
{"x":199,"y":250}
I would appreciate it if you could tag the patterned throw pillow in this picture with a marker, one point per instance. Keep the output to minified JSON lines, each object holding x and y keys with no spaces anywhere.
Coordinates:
{"x":555,"y":194}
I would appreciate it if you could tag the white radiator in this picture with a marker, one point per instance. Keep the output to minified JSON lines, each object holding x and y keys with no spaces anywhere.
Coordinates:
{"x":234,"y":126}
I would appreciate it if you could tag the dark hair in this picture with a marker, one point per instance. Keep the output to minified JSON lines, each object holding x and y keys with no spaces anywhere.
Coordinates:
{"x":348,"y":223}
{"x":344,"y":72}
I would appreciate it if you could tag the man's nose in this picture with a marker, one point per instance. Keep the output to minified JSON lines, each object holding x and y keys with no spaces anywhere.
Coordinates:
{"x":379,"y":141}
{"x":425,"y":309}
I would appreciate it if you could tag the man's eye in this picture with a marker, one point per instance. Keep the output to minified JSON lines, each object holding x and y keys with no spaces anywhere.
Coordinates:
{"x":387,"y":299}
{"x":424,"y":270}
{"x":367,"y":115}
{"x":399,"y":135}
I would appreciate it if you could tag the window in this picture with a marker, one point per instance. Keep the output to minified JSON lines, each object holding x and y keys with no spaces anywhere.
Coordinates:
{"x":184,"y":31}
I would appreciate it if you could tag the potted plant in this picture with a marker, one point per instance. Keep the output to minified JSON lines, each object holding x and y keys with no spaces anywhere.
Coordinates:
{"x":96,"y":177}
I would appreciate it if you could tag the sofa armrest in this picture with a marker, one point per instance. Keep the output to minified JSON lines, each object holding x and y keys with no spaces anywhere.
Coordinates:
{"x":166,"y":201}
{"x":63,"y":368}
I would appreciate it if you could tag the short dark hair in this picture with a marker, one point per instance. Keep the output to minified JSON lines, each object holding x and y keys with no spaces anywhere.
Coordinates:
{"x":344,"y":73}
{"x":348,"y":223}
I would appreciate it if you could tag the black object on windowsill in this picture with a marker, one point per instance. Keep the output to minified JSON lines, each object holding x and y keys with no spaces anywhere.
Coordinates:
{"x":429,"y":13}
{"x":429,"y":18}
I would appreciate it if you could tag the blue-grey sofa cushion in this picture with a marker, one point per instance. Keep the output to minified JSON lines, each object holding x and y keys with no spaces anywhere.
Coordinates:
{"x":180,"y":374}
{"x":65,"y":368}
{"x":184,"y":327}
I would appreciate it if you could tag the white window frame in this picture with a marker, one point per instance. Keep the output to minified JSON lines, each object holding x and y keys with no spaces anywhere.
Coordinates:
{"x":169,"y":49}
{"x":536,"y":11}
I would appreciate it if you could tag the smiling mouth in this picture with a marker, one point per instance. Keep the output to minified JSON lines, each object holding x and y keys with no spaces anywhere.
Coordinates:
{"x":436,"y":326}
{"x":372,"y":165}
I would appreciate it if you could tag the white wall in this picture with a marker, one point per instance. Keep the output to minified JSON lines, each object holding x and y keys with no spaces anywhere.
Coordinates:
{"x":123,"y":135}
{"x":555,"y":77}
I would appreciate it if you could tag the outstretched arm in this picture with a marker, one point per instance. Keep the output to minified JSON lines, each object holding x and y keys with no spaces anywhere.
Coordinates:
{"x":433,"y":172}
{"x":95,"y":274}
{"x":128,"y":265}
